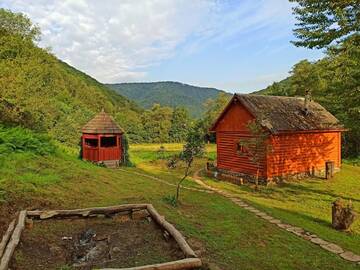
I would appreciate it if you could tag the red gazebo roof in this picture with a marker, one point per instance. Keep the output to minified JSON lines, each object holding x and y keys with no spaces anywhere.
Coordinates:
{"x":102,"y":123}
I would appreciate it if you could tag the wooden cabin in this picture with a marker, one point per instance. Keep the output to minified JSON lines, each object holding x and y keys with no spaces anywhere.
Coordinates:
{"x":303,"y":137}
{"x":102,"y":141}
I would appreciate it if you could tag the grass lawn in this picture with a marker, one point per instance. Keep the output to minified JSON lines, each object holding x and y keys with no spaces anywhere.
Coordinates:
{"x":227,"y":235}
{"x":307,"y":203}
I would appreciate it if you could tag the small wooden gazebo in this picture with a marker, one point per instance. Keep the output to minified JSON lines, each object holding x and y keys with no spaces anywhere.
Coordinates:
{"x":102,"y":140}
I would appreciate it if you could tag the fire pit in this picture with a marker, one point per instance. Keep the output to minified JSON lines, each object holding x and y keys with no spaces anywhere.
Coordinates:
{"x":132,"y":235}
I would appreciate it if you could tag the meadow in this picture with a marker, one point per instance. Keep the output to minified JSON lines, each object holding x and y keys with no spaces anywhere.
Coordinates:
{"x":221,"y":232}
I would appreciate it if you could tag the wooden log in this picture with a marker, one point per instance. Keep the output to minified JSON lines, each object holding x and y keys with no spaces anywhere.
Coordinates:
{"x":189,"y":253}
{"x":14,"y":241}
{"x":188,"y":263}
{"x":85,"y":212}
{"x":6,"y":237}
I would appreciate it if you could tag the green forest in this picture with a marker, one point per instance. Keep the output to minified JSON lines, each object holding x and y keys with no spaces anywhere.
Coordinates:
{"x":171,"y":94}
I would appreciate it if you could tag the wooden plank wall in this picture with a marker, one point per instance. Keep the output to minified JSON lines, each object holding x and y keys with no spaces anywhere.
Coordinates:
{"x":302,"y":152}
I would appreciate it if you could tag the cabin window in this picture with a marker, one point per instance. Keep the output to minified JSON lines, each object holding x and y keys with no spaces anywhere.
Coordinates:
{"x":91,"y":142}
{"x":108,"y":141}
{"x":240,"y":149}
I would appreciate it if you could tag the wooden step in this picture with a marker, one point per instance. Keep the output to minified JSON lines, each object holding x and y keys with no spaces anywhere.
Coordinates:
{"x":112,"y":164}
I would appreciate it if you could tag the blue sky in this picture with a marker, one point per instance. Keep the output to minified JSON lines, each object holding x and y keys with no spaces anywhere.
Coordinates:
{"x":237,"y":46}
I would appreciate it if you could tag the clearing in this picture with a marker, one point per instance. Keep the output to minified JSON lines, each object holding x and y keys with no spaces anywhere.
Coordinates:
{"x":218,"y":230}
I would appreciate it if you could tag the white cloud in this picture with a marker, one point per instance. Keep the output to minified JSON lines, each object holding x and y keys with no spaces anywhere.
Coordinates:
{"x":117,"y":41}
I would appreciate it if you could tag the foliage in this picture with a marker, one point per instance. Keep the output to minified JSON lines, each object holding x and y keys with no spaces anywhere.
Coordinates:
{"x":17,"y":139}
{"x":171,"y":200}
{"x":321,"y":23}
{"x":256,"y":146}
{"x":213,"y":108}
{"x":18,"y":24}
{"x":180,"y":122}
{"x":169,"y":94}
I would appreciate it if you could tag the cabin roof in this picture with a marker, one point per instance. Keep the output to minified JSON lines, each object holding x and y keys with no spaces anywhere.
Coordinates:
{"x":279,"y":113}
{"x":102,"y":123}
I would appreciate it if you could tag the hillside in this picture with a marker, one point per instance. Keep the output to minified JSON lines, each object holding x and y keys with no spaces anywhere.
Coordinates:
{"x":172,"y":94}
{"x":41,"y":92}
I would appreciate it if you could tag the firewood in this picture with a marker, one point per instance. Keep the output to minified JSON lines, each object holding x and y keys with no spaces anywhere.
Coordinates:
{"x":14,"y":241}
{"x":6,"y":237}
{"x":189,"y":253}
{"x":183,"y":264}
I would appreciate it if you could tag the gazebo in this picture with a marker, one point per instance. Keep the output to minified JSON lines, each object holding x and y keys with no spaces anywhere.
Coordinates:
{"x":102,"y":141}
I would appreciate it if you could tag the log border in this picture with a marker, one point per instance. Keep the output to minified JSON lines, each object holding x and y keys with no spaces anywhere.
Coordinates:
{"x":12,"y":236}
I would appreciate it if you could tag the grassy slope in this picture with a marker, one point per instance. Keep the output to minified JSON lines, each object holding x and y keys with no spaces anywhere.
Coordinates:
{"x":233,"y":238}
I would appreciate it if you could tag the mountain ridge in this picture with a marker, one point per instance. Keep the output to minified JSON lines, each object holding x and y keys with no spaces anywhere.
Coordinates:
{"x":167,"y":93}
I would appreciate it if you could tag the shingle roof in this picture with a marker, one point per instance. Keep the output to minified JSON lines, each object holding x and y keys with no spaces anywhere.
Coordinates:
{"x":280,"y":113}
{"x":102,"y":123}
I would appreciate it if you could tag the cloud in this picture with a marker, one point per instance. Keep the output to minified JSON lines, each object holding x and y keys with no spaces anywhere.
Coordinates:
{"x":117,"y":41}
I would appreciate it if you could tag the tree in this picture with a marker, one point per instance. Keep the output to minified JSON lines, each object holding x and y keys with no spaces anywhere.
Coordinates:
{"x":321,"y":23}
{"x":180,"y":122}
{"x":157,"y":123}
{"x":256,"y":146}
{"x":194,"y":147}
{"x":18,"y":24}
{"x":305,"y":78}
{"x":213,"y":109}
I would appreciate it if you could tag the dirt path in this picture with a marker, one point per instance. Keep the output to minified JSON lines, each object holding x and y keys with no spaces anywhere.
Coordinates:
{"x":206,"y":190}
{"x":300,"y":232}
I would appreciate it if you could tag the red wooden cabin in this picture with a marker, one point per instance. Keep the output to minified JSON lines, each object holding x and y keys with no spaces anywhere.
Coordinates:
{"x":102,"y":140}
{"x":302,"y":139}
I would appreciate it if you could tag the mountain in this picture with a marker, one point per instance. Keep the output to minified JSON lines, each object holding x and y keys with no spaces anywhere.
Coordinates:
{"x":172,"y":94}
{"x":40,"y":92}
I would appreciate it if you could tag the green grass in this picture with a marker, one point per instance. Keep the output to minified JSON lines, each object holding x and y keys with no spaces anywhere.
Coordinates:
{"x":229,"y":236}
{"x":307,"y":203}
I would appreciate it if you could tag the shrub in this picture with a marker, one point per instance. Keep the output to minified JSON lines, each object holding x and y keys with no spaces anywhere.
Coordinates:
{"x":17,"y":139}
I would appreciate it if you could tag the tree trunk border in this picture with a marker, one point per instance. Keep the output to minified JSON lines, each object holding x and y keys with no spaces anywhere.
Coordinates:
{"x":12,"y":236}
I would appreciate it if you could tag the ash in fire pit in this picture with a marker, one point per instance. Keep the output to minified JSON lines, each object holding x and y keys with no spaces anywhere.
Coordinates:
{"x":89,"y":249}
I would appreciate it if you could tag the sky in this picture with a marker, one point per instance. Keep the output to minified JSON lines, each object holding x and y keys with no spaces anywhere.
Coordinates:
{"x":233,"y":45}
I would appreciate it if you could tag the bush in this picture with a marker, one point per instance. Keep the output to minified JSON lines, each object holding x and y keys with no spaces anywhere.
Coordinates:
{"x":17,"y":139}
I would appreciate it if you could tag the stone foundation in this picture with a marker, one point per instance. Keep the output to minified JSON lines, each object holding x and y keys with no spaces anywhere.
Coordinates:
{"x":242,"y":178}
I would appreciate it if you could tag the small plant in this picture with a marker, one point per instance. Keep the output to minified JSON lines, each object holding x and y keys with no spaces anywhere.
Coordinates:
{"x":171,"y":200}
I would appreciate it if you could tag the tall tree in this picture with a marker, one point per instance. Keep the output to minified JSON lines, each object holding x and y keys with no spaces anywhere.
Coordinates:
{"x":18,"y":24}
{"x":322,"y":23}
{"x":180,"y":123}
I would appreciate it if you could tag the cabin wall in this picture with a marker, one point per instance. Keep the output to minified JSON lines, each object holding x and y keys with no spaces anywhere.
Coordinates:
{"x":229,"y":131}
{"x":230,"y":160}
{"x":303,"y":152}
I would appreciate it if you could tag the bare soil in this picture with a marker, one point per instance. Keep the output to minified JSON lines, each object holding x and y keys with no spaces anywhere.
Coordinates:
{"x":64,"y":244}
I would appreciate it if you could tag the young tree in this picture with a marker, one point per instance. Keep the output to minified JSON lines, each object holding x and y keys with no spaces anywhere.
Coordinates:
{"x":256,"y":146}
{"x":194,"y":147}
{"x":321,"y":23}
